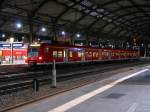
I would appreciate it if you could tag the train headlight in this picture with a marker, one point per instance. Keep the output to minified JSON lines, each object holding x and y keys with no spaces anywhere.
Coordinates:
{"x":40,"y":58}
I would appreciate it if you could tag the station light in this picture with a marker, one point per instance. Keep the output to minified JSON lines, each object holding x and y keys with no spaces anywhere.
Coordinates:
{"x":35,"y":45}
{"x":23,"y":37}
{"x":11,"y":39}
{"x":63,"y":32}
{"x":19,"y":25}
{"x":78,"y":35}
{"x":39,"y":39}
{"x":142,"y":44}
{"x":43,"y":29}
{"x":3,"y":35}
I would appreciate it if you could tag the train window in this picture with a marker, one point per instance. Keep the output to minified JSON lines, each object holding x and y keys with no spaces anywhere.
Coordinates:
{"x":93,"y":54}
{"x":70,"y":54}
{"x":55,"y":54}
{"x":112,"y":54}
{"x":79,"y":54}
{"x":121,"y":54}
{"x":117,"y":54}
{"x":107,"y":53}
{"x":90,"y":53}
{"x":64,"y":54}
{"x":124,"y":54}
{"x":60,"y":54}
{"x":103,"y":53}
{"x":128,"y":54}
{"x":96,"y":54}
{"x":86,"y":53}
{"x":33,"y":51}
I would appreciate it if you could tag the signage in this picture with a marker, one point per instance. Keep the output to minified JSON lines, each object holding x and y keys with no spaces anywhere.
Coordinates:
{"x":9,"y":45}
{"x":17,"y":44}
{"x":5,"y":45}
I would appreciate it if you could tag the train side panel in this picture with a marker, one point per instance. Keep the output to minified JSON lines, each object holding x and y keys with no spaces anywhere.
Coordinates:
{"x":74,"y":54}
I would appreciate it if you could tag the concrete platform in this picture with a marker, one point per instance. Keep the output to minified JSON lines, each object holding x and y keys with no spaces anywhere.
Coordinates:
{"x":123,"y":92}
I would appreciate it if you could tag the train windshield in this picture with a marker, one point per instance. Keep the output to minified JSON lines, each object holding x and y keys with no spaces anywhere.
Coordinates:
{"x":33,"y":51}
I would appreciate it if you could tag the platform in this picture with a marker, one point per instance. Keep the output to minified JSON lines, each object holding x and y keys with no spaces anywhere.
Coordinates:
{"x":123,"y":92}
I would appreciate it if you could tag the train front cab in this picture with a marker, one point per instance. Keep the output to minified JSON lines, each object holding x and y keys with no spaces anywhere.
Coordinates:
{"x":33,"y":55}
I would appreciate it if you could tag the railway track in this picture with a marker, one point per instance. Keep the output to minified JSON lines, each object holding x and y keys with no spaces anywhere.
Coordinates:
{"x":17,"y":82}
{"x":16,"y":69}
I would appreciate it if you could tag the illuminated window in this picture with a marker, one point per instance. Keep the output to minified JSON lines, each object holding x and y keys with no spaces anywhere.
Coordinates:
{"x":90,"y":53}
{"x":107,"y":53}
{"x":64,"y":54}
{"x":124,"y":54}
{"x":60,"y":54}
{"x":103,"y":53}
{"x":70,"y":54}
{"x":80,"y":54}
{"x":97,"y":54}
{"x":93,"y":54}
{"x":116,"y":54}
{"x":113,"y":54}
{"x":55,"y":54}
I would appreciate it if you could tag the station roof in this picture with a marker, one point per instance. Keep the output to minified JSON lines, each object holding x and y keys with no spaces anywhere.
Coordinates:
{"x":120,"y":18}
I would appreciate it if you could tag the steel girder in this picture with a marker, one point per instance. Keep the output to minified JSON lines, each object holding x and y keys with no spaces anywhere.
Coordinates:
{"x":123,"y":24}
{"x":128,"y":7}
{"x":39,"y":7}
{"x":67,"y":9}
{"x":1,"y":3}
{"x":83,"y":16}
{"x":128,"y":20}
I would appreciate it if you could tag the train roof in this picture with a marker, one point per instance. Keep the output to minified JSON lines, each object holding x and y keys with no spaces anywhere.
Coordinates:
{"x":73,"y":46}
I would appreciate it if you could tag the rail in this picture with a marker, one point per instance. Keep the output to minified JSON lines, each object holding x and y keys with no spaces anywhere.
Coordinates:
{"x":17,"y":82}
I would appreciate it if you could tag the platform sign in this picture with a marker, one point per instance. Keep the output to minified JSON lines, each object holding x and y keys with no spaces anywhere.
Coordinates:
{"x":3,"y":45}
{"x":17,"y":44}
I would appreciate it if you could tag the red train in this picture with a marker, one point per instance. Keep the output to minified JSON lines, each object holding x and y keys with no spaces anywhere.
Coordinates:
{"x":45,"y":54}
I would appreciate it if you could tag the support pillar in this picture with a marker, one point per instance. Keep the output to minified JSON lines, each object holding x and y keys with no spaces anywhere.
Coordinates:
{"x":72,"y":39}
{"x":30,"y":28}
{"x":87,"y":39}
{"x":54,"y":38}
{"x":54,"y":78}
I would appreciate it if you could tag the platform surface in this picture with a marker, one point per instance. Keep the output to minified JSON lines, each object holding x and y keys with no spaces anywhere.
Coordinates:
{"x":123,"y":92}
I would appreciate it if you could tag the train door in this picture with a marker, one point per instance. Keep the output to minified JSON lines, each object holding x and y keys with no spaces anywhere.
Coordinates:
{"x":47,"y":54}
{"x":100,"y":54}
{"x":105,"y":54}
{"x":88,"y":55}
{"x":95,"y":55}
{"x":65,"y":55}
{"x":83,"y":55}
{"x":109,"y":54}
